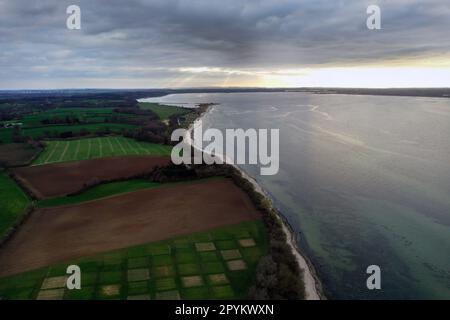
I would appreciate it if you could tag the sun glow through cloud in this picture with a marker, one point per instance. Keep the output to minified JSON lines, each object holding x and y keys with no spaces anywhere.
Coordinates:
{"x":185,"y":43}
{"x":390,"y":75}
{"x":366,"y":77}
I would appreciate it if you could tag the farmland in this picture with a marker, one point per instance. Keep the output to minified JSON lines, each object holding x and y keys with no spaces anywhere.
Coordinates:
{"x":109,"y":189}
{"x":5,"y":135}
{"x":41,"y":132}
{"x":216,"y":264}
{"x":83,"y":114}
{"x":100,"y":191}
{"x":163,"y":112}
{"x":64,"y":178}
{"x":13,"y":202}
{"x":15,"y":154}
{"x":90,"y":148}
{"x":95,"y":200}
{"x":53,"y":235}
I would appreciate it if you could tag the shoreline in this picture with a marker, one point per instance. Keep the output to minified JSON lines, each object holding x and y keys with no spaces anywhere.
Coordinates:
{"x":313,"y":286}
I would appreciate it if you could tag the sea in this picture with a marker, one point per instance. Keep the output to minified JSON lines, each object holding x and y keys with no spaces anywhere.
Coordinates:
{"x":363,"y":181}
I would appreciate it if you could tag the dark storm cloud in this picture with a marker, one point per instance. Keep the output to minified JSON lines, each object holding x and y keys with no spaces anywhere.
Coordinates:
{"x":153,"y":39}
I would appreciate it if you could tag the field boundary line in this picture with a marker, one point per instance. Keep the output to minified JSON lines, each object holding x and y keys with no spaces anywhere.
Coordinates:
{"x":120,"y":145}
{"x":51,"y":153}
{"x":64,"y":151}
{"x":147,"y":148}
{"x":89,"y":149}
{"x":131,"y":147}
{"x":77,"y":149}
{"x":139,"y":147}
{"x":100,"y":147}
{"x":38,"y":160}
{"x":160,"y":149}
{"x":111,"y":146}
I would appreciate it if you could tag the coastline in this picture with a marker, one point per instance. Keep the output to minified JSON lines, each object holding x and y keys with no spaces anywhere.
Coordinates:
{"x":313,"y":286}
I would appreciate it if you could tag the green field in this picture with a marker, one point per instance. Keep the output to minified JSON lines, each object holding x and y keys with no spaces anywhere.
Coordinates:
{"x":100,"y":191}
{"x":39,"y":132}
{"x":110,"y":189}
{"x":13,"y":202}
{"x":164,"y":112}
{"x":83,"y":114}
{"x":83,"y":149}
{"x":197,"y":266}
{"x":6,"y":135}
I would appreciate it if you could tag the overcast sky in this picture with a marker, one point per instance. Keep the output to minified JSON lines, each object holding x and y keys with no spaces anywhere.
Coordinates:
{"x":188,"y":43}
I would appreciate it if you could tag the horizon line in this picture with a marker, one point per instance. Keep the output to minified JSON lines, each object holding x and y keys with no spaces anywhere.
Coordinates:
{"x":231,"y":88}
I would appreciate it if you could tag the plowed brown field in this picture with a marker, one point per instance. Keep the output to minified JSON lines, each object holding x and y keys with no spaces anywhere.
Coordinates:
{"x":54,"y":235}
{"x":59,"y":179}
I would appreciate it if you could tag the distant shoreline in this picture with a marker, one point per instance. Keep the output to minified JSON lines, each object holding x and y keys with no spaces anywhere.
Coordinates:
{"x":160,"y":92}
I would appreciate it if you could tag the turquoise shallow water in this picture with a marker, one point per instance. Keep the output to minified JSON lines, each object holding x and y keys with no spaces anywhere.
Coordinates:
{"x":363,"y":180}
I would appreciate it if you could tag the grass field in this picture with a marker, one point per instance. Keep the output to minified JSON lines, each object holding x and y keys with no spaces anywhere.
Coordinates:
{"x":218,"y":264}
{"x":84,"y":114}
{"x":6,"y":135}
{"x":109,"y":189}
{"x":39,"y":132}
{"x":164,"y":112}
{"x":13,"y":202}
{"x":100,"y":191}
{"x":83,"y":149}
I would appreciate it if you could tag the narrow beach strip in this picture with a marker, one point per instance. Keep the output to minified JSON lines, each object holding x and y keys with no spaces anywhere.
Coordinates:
{"x":313,"y":287}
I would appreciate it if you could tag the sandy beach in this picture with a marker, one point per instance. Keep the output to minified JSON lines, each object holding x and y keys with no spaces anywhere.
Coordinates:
{"x":313,"y":287}
{"x":313,"y":290}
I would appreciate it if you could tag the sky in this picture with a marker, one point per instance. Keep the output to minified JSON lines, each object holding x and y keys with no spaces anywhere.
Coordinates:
{"x":218,"y":43}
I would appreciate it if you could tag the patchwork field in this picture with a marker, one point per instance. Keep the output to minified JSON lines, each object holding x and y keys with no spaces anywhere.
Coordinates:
{"x":15,"y":154}
{"x":53,"y":235}
{"x":196,"y":266}
{"x":13,"y":202}
{"x":133,"y":239}
{"x":59,"y":179}
{"x":83,"y":149}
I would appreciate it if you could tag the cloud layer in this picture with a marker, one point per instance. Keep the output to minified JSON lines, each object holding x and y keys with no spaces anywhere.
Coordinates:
{"x":160,"y":43}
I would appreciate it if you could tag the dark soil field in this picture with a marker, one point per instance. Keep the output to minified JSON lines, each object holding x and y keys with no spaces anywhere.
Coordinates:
{"x":16,"y":154}
{"x":59,"y":179}
{"x":55,"y":235}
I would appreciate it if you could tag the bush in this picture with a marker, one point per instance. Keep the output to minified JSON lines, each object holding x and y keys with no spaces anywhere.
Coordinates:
{"x":153,"y":132}
{"x":66,"y":134}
